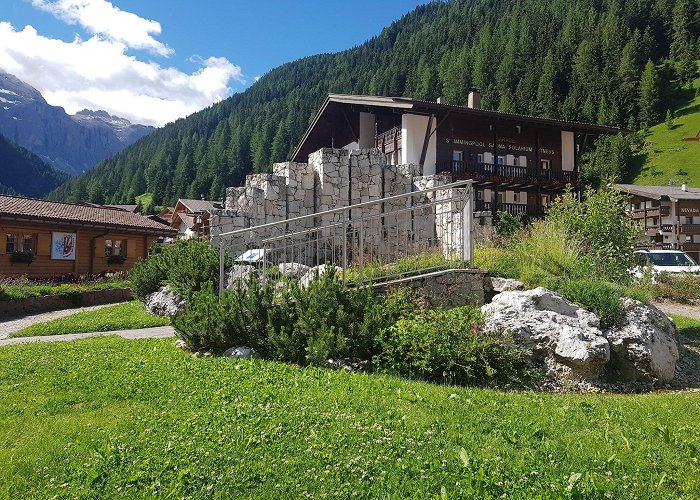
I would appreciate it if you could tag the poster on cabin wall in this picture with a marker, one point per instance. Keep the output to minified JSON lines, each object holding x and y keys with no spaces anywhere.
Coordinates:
{"x":63,"y":246}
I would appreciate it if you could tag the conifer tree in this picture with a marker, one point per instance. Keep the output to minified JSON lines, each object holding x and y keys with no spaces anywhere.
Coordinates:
{"x":649,"y":96}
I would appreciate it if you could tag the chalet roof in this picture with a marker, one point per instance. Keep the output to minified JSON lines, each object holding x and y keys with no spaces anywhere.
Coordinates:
{"x":414,"y":106}
{"x":128,"y":208}
{"x":199,"y":205}
{"x":31,"y":210}
{"x":673,"y":193}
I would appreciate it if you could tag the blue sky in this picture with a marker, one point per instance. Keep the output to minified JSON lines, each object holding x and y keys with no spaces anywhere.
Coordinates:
{"x":156,"y":60}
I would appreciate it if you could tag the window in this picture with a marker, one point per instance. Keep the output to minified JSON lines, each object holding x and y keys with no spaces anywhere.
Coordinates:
{"x":516,"y":197}
{"x":545,"y":164}
{"x":115,"y":247}
{"x":500,"y":160}
{"x":479,"y":195}
{"x":20,"y":243}
{"x":480,"y":158}
{"x":499,"y":198}
{"x":516,"y":161}
{"x":456,"y":155}
{"x":688,"y":238}
{"x":688,"y":220}
{"x":545,"y":200}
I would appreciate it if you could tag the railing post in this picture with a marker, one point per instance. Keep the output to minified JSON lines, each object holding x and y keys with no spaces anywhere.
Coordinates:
{"x":345,"y":246}
{"x":467,"y":233}
{"x":221,"y":266}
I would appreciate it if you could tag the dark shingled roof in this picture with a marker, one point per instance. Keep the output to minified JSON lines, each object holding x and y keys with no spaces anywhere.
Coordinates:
{"x":658,"y":192}
{"x":33,"y":210}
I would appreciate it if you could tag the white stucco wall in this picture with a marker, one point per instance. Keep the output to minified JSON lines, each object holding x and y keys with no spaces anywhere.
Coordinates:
{"x":567,"y":150}
{"x":412,"y":136}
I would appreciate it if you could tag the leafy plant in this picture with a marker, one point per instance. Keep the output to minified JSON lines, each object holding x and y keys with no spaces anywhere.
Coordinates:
{"x":600,"y":297}
{"x":22,"y":257}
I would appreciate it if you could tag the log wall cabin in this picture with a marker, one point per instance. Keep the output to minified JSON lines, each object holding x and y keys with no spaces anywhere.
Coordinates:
{"x":41,"y":238}
{"x":519,"y":163}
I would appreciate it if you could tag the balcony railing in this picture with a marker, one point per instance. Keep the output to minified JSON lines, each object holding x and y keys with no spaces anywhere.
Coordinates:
{"x":650,"y":212}
{"x":690,"y":229}
{"x":389,"y":141}
{"x":489,"y":170}
{"x":690,"y":247}
{"x":511,"y":208}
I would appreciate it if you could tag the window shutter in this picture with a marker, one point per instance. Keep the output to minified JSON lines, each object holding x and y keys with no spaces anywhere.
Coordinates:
{"x":130,"y":249}
{"x":43,"y":244}
{"x":100,"y":247}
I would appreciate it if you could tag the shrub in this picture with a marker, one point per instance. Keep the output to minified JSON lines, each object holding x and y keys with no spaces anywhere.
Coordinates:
{"x":186,"y":266}
{"x":600,"y":297}
{"x":676,"y":287}
{"x":547,"y":252}
{"x":448,"y":346}
{"x":498,"y":262}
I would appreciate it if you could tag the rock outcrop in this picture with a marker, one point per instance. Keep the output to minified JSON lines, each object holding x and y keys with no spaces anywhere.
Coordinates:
{"x":165,"y":302}
{"x":645,"y":345}
{"x":240,"y":275}
{"x":293,"y":269}
{"x":317,"y":272}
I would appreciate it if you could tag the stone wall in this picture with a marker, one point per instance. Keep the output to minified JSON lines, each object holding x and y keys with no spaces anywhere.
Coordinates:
{"x":31,"y":305}
{"x":448,"y":288}
{"x":335,"y":178}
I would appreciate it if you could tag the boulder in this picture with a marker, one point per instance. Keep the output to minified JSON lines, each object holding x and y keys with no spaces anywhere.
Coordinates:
{"x":645,"y":346}
{"x":553,"y":331}
{"x":506,"y":284}
{"x":240,"y":274}
{"x":240,"y":352}
{"x":318,"y":271}
{"x":293,"y":269}
{"x":165,"y":302}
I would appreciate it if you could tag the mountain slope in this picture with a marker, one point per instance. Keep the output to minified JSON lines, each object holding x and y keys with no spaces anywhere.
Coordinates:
{"x":576,"y":59}
{"x":73,"y":144}
{"x":667,"y":157}
{"x":22,"y":172}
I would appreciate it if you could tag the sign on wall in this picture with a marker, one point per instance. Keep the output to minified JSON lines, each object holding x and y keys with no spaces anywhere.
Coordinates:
{"x":63,"y":246}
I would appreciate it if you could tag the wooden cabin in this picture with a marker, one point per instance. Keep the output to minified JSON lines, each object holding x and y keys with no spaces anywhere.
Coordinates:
{"x":41,"y":238}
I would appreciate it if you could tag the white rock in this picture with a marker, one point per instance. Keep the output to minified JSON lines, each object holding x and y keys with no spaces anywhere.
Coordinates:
{"x":240,"y":352}
{"x":563,"y":336}
{"x":180,"y":344}
{"x":645,"y":347}
{"x":293,"y":269}
{"x":164,"y":302}
{"x":506,"y":284}
{"x":318,"y":271}
{"x":239,"y":274}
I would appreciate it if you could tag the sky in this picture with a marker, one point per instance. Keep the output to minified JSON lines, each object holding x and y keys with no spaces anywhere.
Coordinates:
{"x":154,"y":61}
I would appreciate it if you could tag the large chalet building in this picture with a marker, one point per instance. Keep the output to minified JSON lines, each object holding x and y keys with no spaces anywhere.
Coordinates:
{"x":518,"y":163}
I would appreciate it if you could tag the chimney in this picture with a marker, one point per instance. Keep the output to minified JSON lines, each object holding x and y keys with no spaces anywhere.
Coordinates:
{"x":684,"y":187}
{"x":441,"y":100}
{"x":474,"y":99}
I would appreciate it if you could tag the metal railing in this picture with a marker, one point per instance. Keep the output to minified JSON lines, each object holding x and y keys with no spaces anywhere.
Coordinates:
{"x":373,"y":240}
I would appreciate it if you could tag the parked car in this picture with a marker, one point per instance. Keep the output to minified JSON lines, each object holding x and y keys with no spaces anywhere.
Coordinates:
{"x":664,"y":261}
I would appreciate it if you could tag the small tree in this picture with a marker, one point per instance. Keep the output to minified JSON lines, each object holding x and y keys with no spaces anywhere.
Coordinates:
{"x":669,"y":120}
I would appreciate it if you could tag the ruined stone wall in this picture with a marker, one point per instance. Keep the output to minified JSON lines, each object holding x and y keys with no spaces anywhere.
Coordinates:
{"x":335,"y":178}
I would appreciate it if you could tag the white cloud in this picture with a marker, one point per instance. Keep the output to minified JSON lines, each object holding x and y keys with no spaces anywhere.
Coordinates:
{"x":99,"y":73}
{"x":99,"y":17}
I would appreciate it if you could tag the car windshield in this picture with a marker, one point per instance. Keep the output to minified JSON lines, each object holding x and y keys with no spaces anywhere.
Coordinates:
{"x":670,"y":259}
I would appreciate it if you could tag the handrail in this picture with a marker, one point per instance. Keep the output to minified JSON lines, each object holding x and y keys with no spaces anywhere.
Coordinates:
{"x":453,"y":185}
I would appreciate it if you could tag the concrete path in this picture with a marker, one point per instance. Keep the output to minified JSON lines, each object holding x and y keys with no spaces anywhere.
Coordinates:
{"x":679,"y":309}
{"x":158,"y":332}
{"x":12,"y":325}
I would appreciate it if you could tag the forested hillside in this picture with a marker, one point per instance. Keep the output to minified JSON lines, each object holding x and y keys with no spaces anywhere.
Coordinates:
{"x":22,"y":172}
{"x":617,"y":62}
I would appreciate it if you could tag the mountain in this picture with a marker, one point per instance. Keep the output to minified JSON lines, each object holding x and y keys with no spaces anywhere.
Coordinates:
{"x":73,"y":144}
{"x":618,"y":62}
{"x":24,"y":173}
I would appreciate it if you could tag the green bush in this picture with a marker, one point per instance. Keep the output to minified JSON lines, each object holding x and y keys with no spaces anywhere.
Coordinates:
{"x":676,"y":287}
{"x":600,"y":297}
{"x":497,"y":261}
{"x":447,"y":346}
{"x":186,"y":266}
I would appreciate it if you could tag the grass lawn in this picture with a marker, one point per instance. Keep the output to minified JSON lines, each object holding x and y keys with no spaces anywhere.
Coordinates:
{"x":666,"y":156}
{"x":21,"y":289}
{"x":124,"y":316}
{"x":112,"y":418}
{"x":687,"y":326}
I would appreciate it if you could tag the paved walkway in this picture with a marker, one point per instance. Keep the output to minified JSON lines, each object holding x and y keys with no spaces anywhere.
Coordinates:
{"x":679,"y":309}
{"x":12,"y":325}
{"x":158,"y":332}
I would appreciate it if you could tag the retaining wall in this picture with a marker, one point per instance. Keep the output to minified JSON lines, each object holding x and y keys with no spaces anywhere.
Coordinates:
{"x":448,"y":288}
{"x":32,"y":305}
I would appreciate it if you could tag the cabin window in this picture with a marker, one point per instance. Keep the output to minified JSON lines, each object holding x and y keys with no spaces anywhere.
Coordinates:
{"x":688,"y":238}
{"x":516,"y":161}
{"x":688,"y":220}
{"x":500,"y":160}
{"x":115,"y":247}
{"x":457,"y":155}
{"x":479,"y":195}
{"x":545,"y":200}
{"x":516,"y":196}
{"x":480,"y":158}
{"x":499,"y":198}
{"x":20,"y":243}
{"x":545,"y":164}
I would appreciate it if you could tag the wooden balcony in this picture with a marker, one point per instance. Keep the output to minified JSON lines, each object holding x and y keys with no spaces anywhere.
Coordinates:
{"x":690,"y":247}
{"x":690,"y":229}
{"x":510,"y":173}
{"x":389,"y":141}
{"x":511,"y":208}
{"x":650,"y":212}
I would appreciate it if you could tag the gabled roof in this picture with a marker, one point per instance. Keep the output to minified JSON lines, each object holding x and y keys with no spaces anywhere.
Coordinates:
{"x":127,"y":208}
{"x":413,"y":106}
{"x":31,"y":210}
{"x":193,"y":206}
{"x":673,"y":193}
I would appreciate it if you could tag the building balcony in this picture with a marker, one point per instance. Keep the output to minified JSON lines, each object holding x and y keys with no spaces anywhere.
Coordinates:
{"x":389,"y":141}
{"x":690,"y":229}
{"x":511,"y":173}
{"x":690,"y":247}
{"x":511,"y":208}
{"x":644,"y":213}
